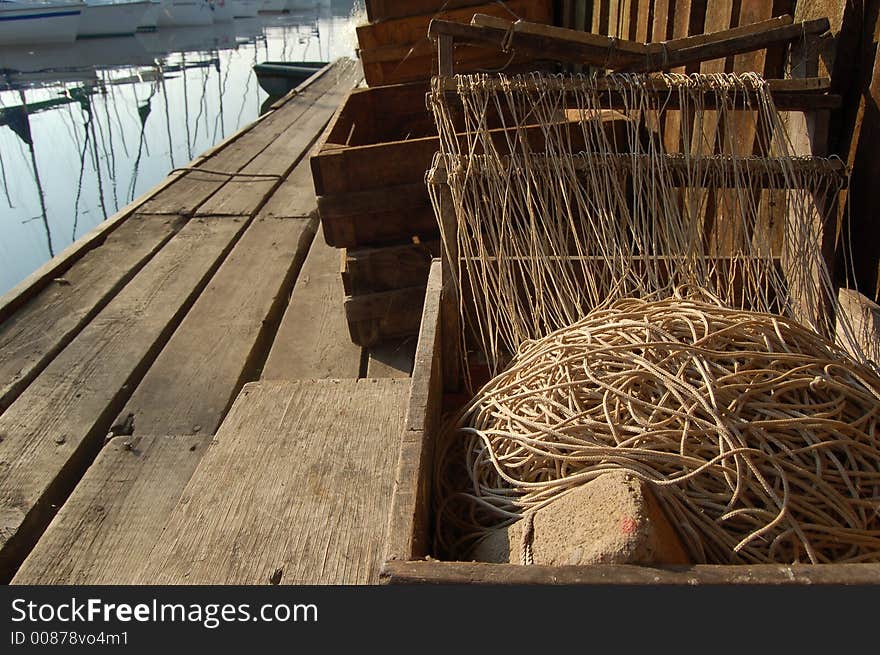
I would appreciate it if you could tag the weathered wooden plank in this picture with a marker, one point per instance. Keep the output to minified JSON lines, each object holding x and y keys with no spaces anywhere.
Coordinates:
{"x":243,"y":195}
{"x":392,"y":358}
{"x":411,"y":29}
{"x":378,"y":10}
{"x":296,"y":489}
{"x":408,"y":525}
{"x":294,"y":197}
{"x":376,"y":317}
{"x":368,"y":270}
{"x":192,"y":189}
{"x":863,"y":318}
{"x":112,"y":520}
{"x":39,"y":329}
{"x":55,"y":427}
{"x":629,"y":574}
{"x":224,"y":337}
{"x":312,"y":340}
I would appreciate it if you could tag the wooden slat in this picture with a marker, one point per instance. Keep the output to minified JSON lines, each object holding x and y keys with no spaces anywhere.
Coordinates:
{"x":225,"y":335}
{"x":378,"y":10}
{"x":112,"y":520}
{"x":411,"y":29}
{"x":39,"y":329}
{"x":242,"y":196}
{"x":53,"y":430}
{"x":312,"y":340}
{"x":368,"y":270}
{"x":392,"y":358}
{"x":188,"y":192}
{"x":623,"y":574}
{"x":296,"y":489}
{"x":863,"y":317}
{"x":376,"y":317}
{"x":295,"y":197}
{"x":408,"y":525}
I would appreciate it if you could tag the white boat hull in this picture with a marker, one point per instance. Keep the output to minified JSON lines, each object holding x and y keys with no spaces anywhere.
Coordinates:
{"x":39,"y":24}
{"x":222,"y":11}
{"x":245,"y":8}
{"x":116,"y":19}
{"x":185,"y":13}
{"x":273,"y":5}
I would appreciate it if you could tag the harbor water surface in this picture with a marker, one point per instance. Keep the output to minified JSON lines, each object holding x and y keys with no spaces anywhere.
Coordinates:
{"x":86,"y":128}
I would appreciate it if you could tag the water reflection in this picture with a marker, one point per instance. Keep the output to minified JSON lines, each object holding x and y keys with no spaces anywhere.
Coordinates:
{"x":87,"y":127}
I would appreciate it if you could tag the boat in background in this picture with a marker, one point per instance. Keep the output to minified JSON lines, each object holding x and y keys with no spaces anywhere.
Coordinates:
{"x":185,"y":13}
{"x":111,"y":18}
{"x":150,"y":19}
{"x":273,"y":6}
{"x":222,"y":10}
{"x":245,"y":8}
{"x":278,"y":78}
{"x":27,"y":23}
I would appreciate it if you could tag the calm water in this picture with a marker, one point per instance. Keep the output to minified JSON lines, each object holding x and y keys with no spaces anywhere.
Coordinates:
{"x":86,"y":128}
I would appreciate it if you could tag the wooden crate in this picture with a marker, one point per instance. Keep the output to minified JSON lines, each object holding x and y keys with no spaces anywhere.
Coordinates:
{"x":369,"y":168}
{"x":399,"y":50}
{"x":387,"y":9}
{"x":408,"y":548}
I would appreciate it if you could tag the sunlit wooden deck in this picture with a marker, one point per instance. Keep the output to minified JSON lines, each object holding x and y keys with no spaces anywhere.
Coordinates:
{"x":129,"y":451}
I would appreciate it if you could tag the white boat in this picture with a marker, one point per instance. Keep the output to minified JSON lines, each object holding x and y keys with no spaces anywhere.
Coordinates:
{"x":100,"y":18}
{"x":26,"y":23}
{"x":245,"y":8}
{"x":185,"y":13}
{"x":150,"y":19}
{"x":222,"y":10}
{"x":273,"y":6}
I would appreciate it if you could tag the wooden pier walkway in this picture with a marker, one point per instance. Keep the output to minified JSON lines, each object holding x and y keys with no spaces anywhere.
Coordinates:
{"x":180,"y":400}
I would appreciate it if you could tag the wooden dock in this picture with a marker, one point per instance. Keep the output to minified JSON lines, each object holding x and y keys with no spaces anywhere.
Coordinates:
{"x":180,"y":400}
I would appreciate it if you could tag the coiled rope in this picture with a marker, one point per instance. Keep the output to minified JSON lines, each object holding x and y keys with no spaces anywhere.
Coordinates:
{"x":760,"y":437}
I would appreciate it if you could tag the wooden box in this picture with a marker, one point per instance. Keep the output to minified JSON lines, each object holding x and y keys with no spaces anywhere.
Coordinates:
{"x":399,"y":50}
{"x":408,"y":550}
{"x":378,"y":10}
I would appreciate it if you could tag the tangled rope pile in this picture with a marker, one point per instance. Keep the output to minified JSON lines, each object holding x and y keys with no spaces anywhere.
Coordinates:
{"x":760,"y":438}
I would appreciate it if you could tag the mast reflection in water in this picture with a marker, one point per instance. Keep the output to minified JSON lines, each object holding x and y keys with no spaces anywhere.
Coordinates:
{"x":87,"y":127}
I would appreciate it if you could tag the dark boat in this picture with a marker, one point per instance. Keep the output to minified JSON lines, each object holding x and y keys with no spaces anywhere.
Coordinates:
{"x":280,"y":77}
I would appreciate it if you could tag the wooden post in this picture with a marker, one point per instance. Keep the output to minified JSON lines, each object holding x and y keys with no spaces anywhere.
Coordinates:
{"x":450,"y":316}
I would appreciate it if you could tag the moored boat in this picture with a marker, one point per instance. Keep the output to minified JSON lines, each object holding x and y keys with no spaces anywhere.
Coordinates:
{"x":185,"y":13}
{"x":25,"y":23}
{"x":222,"y":10}
{"x":150,"y":19}
{"x":245,"y":8}
{"x":277,"y":78}
{"x":103,"y":18}
{"x":273,"y":6}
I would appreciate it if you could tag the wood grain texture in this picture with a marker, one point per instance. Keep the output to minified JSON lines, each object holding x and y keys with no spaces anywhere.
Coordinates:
{"x":298,"y":481}
{"x":53,"y":430}
{"x":392,"y":358}
{"x":312,"y":340}
{"x":376,"y":317}
{"x":367,"y":270}
{"x":216,"y":349}
{"x":409,"y":520}
{"x":188,"y":192}
{"x":112,"y":521}
{"x":294,"y":197}
{"x":39,"y":329}
{"x":628,"y":574}
{"x":243,"y":195}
